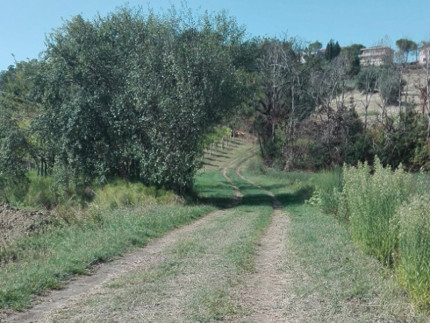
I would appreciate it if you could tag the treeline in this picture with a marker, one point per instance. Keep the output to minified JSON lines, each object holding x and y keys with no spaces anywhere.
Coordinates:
{"x":128,"y":95}
{"x":138,"y":96}
{"x":306,"y":117}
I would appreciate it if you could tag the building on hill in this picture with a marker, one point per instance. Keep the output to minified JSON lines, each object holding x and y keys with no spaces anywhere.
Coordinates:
{"x":424,"y":54}
{"x":376,"y":56}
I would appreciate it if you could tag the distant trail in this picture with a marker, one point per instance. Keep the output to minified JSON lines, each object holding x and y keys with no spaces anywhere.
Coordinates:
{"x":236,"y":189}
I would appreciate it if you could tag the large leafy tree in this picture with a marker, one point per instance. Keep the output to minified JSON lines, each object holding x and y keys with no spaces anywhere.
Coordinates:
{"x":132,"y":95}
{"x":314,"y":47}
{"x":405,"y":47}
{"x":353,"y":52}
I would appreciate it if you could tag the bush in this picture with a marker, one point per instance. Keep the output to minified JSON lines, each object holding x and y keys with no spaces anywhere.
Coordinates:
{"x":13,"y":190}
{"x":414,"y":249}
{"x":121,"y":193}
{"x":371,"y":202}
{"x":256,"y":165}
{"x":42,"y":192}
{"x":118,"y":119}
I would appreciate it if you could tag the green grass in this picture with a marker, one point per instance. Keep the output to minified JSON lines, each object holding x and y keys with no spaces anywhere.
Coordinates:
{"x":121,"y":193}
{"x":45,"y":260}
{"x":371,"y":203}
{"x":353,"y":286}
{"x":41,"y":192}
{"x":289,"y":187}
{"x":388,"y":216}
{"x":254,"y":200}
{"x":414,"y":249}
{"x":212,"y":188}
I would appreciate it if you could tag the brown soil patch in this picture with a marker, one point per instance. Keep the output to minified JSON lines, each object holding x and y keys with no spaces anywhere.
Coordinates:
{"x":16,"y":223}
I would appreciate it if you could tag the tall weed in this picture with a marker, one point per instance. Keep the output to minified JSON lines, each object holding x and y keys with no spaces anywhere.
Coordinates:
{"x":389,"y":217}
{"x":414,"y":249}
{"x":371,"y":202}
{"x":328,"y":185}
{"x":42,"y":192}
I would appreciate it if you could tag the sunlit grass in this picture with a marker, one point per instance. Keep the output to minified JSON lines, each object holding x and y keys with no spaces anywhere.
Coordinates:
{"x":45,"y":260}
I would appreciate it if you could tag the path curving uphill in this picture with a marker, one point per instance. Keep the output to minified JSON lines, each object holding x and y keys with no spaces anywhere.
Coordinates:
{"x":65,"y":304}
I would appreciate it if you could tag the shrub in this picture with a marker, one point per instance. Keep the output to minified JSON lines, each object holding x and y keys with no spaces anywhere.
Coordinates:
{"x":13,"y":190}
{"x":42,"y":192}
{"x":256,"y":166}
{"x":121,"y":193}
{"x":414,"y":249}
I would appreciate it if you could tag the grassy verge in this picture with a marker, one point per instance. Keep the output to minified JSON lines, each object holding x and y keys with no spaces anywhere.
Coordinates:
{"x":45,"y":260}
{"x":414,"y":249}
{"x":353,"y":286}
{"x":387,"y":214}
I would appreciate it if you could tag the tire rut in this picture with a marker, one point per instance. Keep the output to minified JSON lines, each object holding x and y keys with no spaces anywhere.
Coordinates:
{"x":264,"y":293}
{"x":266,"y":289}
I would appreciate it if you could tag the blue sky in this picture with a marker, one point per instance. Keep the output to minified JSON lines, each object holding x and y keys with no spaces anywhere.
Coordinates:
{"x":24,"y":24}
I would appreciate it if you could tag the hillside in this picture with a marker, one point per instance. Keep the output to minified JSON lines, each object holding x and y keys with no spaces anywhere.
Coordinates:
{"x":414,"y":77}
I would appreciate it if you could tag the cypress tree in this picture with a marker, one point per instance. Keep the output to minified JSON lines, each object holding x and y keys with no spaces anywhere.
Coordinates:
{"x":332,"y":50}
{"x":329,"y":50}
{"x":336,"y":50}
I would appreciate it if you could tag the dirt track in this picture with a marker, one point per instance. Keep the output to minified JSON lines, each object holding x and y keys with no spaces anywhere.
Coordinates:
{"x":268,"y":289}
{"x":85,"y":285}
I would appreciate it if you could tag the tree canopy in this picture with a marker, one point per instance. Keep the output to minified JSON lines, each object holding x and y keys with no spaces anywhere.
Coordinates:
{"x":405,"y":47}
{"x":139,"y":95}
{"x":132,"y":95}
